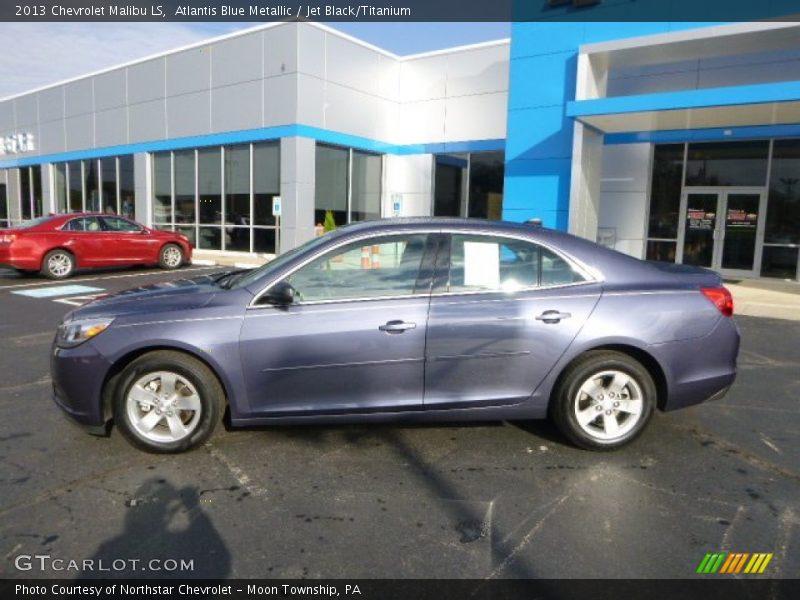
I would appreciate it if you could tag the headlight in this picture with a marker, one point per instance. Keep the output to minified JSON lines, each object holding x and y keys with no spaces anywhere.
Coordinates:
{"x":72,"y":333}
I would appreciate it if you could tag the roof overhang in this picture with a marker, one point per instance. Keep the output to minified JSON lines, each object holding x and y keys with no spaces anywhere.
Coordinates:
{"x":734,"y":106}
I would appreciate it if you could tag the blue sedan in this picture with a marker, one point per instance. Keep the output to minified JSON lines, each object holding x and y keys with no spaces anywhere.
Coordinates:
{"x":404,"y":320}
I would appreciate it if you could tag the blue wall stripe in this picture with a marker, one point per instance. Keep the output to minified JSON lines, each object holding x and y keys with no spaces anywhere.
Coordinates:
{"x":262,"y":134}
{"x":712,"y":134}
{"x":784,"y":91}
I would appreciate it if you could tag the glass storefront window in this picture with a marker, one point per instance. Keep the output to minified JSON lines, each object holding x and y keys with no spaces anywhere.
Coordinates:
{"x":25,"y":193}
{"x":184,"y":187}
{"x":661,"y":251}
{"x":266,"y":185}
{"x":209,"y":186}
{"x":665,"y":192}
{"x":108,"y":177}
{"x":237,"y":198}
{"x":127,"y":197}
{"x":783,"y":207}
{"x":469,"y":185}
{"x":92,"y":189}
{"x":38,"y":198}
{"x":727,"y":163}
{"x":60,"y":187}
{"x":220,"y":203}
{"x":331,"y":184}
{"x":450,"y":190}
{"x":162,"y":189}
{"x":266,"y":181}
{"x":75,"y":181}
{"x":4,"y":221}
{"x":486,"y":173}
{"x":779,"y":261}
{"x":366,"y":186}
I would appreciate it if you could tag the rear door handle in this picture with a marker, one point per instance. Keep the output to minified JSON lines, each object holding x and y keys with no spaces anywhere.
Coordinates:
{"x":397,"y":326}
{"x":553,"y":316}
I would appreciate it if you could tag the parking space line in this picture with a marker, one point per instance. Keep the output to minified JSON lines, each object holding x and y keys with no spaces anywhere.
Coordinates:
{"x":104,"y":277}
{"x":59,"y":290}
{"x":77,"y":300}
{"x":238,"y":474}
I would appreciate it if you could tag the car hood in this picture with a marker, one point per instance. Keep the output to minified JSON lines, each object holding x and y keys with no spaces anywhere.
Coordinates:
{"x":182,"y":294}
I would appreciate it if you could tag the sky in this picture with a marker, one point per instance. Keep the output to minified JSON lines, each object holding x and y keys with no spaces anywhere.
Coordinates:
{"x":38,"y":54}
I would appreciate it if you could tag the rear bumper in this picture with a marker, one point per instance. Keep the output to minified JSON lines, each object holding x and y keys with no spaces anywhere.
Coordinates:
{"x":700,"y":369}
{"x":9,"y":259}
{"x":78,"y":374}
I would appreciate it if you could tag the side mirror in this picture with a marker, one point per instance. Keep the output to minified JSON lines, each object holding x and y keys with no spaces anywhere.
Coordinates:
{"x":280,"y":294}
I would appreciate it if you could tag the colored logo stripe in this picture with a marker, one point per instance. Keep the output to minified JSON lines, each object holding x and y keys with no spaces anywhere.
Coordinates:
{"x":734,"y":562}
{"x":711,"y":562}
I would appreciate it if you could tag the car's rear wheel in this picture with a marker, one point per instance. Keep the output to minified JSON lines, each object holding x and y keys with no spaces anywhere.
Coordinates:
{"x":167,"y":402}
{"x":170,"y":257}
{"x":58,"y":264}
{"x":604,"y":401}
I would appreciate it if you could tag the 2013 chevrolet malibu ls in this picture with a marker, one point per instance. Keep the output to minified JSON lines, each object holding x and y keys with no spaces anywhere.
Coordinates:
{"x":411,"y":319}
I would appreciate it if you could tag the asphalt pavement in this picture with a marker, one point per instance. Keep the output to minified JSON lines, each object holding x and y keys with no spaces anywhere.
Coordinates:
{"x":489,"y":500}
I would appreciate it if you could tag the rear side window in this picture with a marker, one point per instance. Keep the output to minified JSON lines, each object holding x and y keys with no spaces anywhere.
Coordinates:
{"x":117,"y":224}
{"x":83,"y":224}
{"x":486,"y":263}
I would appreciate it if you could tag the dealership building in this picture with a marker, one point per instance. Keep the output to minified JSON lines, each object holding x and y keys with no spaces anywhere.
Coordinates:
{"x":676,"y":142}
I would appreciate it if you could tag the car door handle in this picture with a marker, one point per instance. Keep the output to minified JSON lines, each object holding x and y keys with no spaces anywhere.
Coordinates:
{"x":553,"y":316}
{"x":397,"y":326}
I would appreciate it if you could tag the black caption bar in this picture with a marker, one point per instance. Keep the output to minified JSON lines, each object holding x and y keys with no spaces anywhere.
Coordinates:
{"x":396,"y":10}
{"x":712,"y":588}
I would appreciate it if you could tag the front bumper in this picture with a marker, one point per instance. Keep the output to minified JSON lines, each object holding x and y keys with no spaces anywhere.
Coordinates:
{"x":78,"y":375}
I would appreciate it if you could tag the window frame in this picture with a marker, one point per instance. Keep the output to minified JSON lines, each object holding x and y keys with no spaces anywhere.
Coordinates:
{"x":433,"y":245}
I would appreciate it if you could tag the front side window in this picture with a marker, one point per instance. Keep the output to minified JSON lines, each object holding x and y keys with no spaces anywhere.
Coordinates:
{"x":496,"y":264}
{"x":374,"y":268}
{"x":83,"y":224}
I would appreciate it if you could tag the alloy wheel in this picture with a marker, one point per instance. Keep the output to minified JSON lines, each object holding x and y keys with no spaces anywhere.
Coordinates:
{"x":163,"y":406}
{"x":608,"y":404}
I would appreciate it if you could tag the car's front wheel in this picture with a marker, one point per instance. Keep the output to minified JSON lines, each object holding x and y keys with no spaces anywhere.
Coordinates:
{"x":604,"y":401}
{"x":170,"y":257}
{"x":167,"y":402}
{"x":58,"y":264}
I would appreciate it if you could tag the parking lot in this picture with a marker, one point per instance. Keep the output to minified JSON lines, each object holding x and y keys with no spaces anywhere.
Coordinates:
{"x":493,"y":500}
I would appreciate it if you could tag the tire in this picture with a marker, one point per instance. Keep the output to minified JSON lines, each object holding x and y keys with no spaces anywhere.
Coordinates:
{"x":167,"y":402}
{"x":170,"y":257}
{"x":58,"y":264}
{"x":604,"y":401}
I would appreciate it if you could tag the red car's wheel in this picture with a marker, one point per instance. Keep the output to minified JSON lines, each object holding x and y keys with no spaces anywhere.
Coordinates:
{"x":58,"y":264}
{"x":170,"y":257}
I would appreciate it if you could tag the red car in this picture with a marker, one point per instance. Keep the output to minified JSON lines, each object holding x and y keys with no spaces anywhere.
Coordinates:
{"x":57,"y":245}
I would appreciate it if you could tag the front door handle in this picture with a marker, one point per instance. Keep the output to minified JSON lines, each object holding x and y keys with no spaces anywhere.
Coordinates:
{"x":397,"y":326}
{"x":553,"y":316}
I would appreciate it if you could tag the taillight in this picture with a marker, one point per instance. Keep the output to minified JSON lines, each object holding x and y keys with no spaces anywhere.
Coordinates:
{"x":721,"y":298}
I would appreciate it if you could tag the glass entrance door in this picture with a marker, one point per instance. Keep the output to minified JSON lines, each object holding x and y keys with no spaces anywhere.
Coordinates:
{"x":722,"y":230}
{"x":700,"y":228}
{"x":740,"y":231}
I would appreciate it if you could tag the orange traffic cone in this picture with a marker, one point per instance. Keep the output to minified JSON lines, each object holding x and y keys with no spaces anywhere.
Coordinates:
{"x":376,"y":257}
{"x":365,"y":261}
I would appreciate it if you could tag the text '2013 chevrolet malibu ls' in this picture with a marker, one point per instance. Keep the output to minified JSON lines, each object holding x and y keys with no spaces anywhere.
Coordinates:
{"x":404,"y":320}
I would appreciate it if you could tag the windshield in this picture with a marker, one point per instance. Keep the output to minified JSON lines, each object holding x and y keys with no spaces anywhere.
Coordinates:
{"x":33,"y":222}
{"x":250,"y":276}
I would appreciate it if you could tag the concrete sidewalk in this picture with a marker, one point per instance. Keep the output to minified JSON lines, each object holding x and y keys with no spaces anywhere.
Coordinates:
{"x":757,"y":298}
